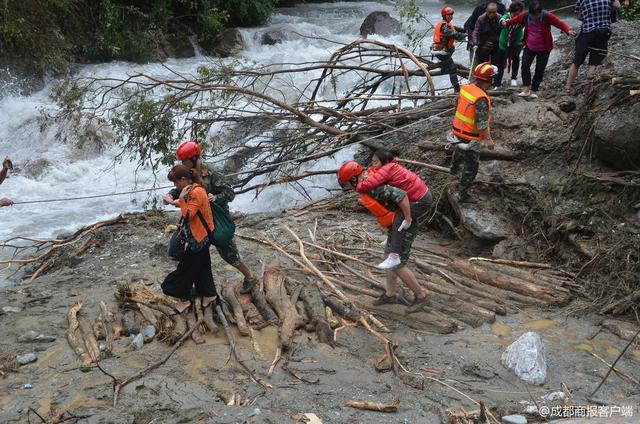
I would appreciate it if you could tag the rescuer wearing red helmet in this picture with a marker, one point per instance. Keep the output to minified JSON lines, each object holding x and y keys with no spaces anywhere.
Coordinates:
{"x":378,"y":201}
{"x":220,"y":192}
{"x":471,"y":127}
{"x":445,"y":35}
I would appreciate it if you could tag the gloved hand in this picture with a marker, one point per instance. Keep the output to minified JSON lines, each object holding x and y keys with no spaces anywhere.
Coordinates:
{"x":405,"y":224}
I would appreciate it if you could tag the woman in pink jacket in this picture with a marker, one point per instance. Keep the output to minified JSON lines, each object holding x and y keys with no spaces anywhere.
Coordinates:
{"x":538,"y":43}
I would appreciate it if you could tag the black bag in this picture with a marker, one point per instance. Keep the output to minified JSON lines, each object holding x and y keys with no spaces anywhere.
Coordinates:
{"x":177,"y":243}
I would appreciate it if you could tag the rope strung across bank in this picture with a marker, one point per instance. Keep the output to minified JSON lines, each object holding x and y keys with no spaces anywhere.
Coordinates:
{"x":95,"y":196}
{"x":274,"y":166}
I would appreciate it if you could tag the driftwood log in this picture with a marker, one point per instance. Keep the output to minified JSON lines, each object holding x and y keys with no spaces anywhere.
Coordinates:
{"x":262,"y":305}
{"x":229,"y":294}
{"x":504,"y":282}
{"x":484,"y":154}
{"x":83,"y":343}
{"x":315,"y":308}
{"x":106,"y":318}
{"x":277,"y":296}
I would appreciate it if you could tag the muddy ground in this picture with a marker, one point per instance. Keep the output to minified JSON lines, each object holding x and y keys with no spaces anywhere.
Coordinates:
{"x":191,"y":385}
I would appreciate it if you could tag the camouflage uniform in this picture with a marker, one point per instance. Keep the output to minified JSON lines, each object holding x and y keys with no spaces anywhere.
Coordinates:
{"x":216,"y":184}
{"x":468,"y":152}
{"x":447,"y":65}
{"x":390,"y":197}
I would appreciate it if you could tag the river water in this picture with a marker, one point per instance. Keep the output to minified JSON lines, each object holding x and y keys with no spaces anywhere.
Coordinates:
{"x":71,"y":172}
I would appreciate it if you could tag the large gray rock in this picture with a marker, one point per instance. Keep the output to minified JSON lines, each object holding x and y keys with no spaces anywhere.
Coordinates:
{"x":228,"y":43}
{"x":178,"y":46}
{"x":615,"y":137}
{"x":270,"y":38}
{"x":379,"y":23}
{"x":485,"y":224}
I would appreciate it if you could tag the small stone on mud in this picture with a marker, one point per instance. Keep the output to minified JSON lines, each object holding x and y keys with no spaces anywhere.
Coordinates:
{"x":138,"y":341}
{"x":10,"y":309}
{"x":255,"y":412}
{"x":28,"y":386}
{"x":32,"y":336}
{"x":419,"y":338}
{"x":514,"y":419}
{"x":149,"y":333}
{"x":27,"y":358}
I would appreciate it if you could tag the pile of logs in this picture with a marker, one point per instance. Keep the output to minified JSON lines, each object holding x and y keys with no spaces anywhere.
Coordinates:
{"x":325,"y":284}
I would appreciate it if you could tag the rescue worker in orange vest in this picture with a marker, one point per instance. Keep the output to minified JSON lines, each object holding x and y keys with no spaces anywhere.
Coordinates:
{"x":471,"y":129}
{"x":376,"y":201}
{"x":444,"y":37}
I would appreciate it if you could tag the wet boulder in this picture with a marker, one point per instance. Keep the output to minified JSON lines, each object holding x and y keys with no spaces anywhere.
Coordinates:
{"x":615,"y":137}
{"x":273,"y":37}
{"x":178,"y":46}
{"x":228,"y":43}
{"x":380,"y":23}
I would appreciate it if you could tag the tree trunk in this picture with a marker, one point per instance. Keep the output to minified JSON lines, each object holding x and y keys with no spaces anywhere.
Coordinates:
{"x":277,"y":296}
{"x":230,"y":296}
{"x":522,"y":287}
{"x":315,"y":310}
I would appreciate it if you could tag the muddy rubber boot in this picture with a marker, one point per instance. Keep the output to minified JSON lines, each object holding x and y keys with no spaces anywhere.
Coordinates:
{"x":247,"y":285}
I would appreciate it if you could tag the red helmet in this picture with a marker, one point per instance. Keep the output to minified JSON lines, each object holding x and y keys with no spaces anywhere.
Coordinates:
{"x":485,"y":71}
{"x":447,"y":11}
{"x":348,"y":171}
{"x":188,"y":149}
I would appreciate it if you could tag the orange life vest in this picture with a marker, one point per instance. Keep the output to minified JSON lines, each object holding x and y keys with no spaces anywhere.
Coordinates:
{"x":464,"y":121}
{"x":382,"y":214}
{"x":438,"y":36}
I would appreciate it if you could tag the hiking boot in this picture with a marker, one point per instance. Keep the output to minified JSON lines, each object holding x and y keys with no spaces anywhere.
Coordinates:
{"x":418,"y":305}
{"x":392,"y":261}
{"x":385,"y":300}
{"x":247,"y":285}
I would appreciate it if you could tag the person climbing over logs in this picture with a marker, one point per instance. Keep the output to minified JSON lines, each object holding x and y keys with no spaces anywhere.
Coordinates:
{"x":381,"y":195}
{"x":194,"y":268}
{"x":471,"y":127}
{"x":6,"y":166}
{"x":445,"y":35}
{"x":220,"y":192}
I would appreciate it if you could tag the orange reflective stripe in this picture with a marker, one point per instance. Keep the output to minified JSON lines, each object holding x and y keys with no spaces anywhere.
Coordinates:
{"x":464,"y":120}
{"x":382,"y":214}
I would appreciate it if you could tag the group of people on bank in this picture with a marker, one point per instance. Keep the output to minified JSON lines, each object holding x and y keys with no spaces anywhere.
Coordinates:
{"x":498,"y":33}
{"x":398,"y":197}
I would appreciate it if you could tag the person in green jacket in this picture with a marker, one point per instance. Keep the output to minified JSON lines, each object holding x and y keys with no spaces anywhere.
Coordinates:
{"x":510,"y":45}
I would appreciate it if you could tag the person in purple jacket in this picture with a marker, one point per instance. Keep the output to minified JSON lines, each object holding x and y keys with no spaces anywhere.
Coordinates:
{"x":538,"y":43}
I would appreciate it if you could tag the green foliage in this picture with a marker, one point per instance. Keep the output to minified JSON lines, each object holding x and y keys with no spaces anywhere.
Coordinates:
{"x":414,"y":22}
{"x":145,"y":131}
{"x":49,"y":34}
{"x":248,"y":12}
{"x":631,"y":13}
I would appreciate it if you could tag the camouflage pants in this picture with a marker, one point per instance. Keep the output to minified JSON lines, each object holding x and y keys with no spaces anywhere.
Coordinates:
{"x":401,"y":241}
{"x":467,"y":154}
{"x":229,"y":253}
{"x":447,"y":66}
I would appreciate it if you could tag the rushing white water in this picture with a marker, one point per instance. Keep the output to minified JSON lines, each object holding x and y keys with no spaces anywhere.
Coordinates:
{"x":68,"y":172}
